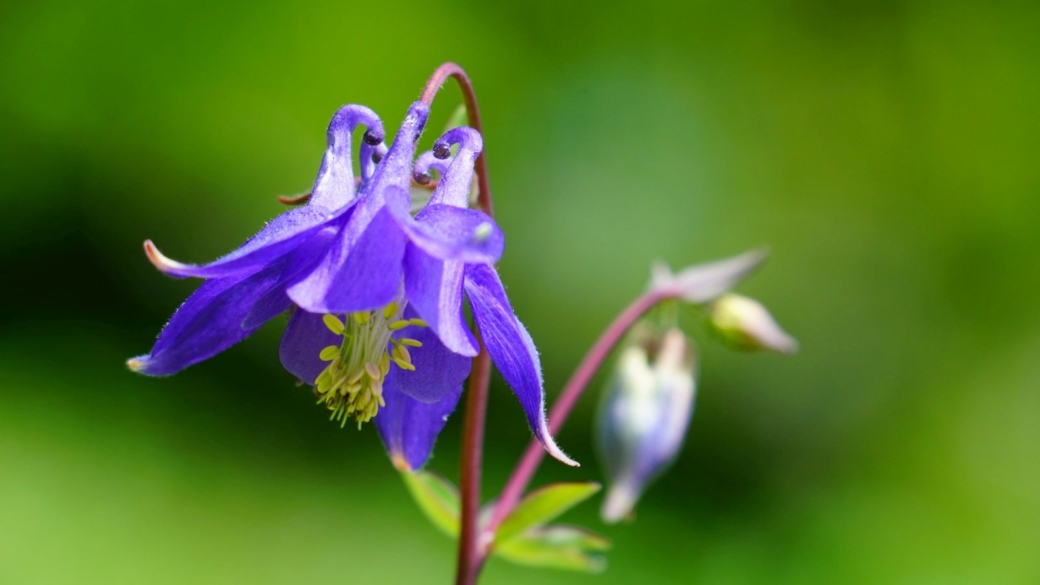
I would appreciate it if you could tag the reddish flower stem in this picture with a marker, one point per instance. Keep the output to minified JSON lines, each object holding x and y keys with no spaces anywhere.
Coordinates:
{"x":594,"y":359}
{"x":473,"y":113}
{"x":474,"y":544}
{"x":470,"y":559}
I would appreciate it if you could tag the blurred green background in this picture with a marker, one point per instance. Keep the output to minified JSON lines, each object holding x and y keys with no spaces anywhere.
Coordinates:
{"x":886,"y":152}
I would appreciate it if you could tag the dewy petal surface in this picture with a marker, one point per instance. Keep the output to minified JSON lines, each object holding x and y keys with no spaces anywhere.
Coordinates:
{"x":208,"y":322}
{"x":408,"y":427}
{"x":438,"y":370}
{"x":511,"y":349}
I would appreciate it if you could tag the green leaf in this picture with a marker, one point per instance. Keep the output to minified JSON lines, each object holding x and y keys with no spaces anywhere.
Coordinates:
{"x":437,"y":497}
{"x":558,"y":547}
{"x":543,"y":505}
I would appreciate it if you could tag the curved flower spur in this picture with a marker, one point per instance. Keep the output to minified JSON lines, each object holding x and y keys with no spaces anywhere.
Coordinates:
{"x":376,"y":294}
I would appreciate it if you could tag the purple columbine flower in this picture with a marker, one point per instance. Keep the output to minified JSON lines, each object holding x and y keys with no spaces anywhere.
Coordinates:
{"x":377,"y":326}
{"x":443,"y":254}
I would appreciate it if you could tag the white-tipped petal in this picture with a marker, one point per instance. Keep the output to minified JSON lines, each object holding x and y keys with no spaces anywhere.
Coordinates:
{"x":160,"y":261}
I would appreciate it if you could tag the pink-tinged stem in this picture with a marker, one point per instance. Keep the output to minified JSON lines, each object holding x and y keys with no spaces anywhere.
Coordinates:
{"x":594,"y":359}
{"x":470,"y":559}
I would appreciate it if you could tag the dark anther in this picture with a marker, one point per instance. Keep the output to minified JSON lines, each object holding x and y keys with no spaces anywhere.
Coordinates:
{"x":371,"y":139}
{"x":441,"y":150}
{"x":377,"y":156}
{"x":422,"y":178}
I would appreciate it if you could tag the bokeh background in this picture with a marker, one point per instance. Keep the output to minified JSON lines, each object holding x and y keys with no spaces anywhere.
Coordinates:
{"x":886,"y":152}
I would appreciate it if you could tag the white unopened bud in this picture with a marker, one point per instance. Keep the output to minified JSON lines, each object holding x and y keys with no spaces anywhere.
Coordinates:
{"x":746,"y":324}
{"x":644,"y":415}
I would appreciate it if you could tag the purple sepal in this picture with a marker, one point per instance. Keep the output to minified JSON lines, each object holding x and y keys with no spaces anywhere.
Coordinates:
{"x":511,"y":349}
{"x":277,"y":238}
{"x":208,"y":322}
{"x":267,"y":307}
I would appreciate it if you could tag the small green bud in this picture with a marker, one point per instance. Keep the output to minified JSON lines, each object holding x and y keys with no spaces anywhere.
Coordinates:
{"x":746,"y":324}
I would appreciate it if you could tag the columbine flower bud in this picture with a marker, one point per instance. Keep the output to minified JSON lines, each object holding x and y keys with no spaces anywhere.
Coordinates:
{"x":644,"y":415}
{"x":746,"y":324}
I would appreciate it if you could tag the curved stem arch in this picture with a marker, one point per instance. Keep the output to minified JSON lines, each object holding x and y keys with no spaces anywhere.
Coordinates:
{"x":453,"y":71}
{"x":470,"y":557}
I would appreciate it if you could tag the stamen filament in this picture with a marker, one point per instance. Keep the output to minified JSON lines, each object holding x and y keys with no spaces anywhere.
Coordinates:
{"x":351,"y":386}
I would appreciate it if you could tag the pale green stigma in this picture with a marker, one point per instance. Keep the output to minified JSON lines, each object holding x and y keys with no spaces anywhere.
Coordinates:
{"x":352,"y":384}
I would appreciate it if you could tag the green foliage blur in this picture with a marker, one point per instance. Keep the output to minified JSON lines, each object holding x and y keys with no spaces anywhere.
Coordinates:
{"x":886,"y":152}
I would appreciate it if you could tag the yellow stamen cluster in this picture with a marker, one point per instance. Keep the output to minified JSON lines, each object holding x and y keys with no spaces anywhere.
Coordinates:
{"x":352,"y":384}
